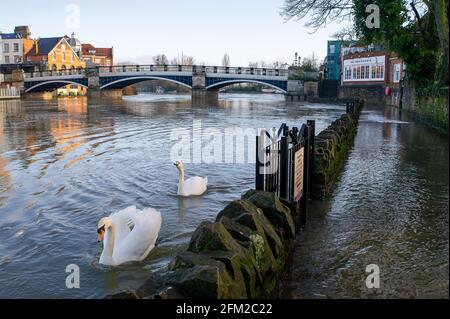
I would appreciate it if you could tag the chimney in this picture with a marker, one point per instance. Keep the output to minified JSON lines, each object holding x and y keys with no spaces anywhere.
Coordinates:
{"x":36,"y":46}
{"x":23,"y":31}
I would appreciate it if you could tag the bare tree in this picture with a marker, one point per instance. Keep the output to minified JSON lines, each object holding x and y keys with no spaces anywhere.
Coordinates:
{"x":272,"y":65}
{"x":345,"y":34}
{"x":310,"y":64}
{"x":160,"y":59}
{"x":226,"y":60}
{"x":317,"y":12}
{"x":279,"y":65}
{"x":188,"y":60}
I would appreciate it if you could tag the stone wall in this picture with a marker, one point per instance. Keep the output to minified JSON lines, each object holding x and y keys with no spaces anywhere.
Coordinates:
{"x":371,"y":94}
{"x":242,"y":254}
{"x":331,"y":147}
{"x":430,"y":107}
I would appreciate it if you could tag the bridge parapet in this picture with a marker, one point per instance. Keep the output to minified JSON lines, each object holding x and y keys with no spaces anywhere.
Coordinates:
{"x":164,"y":68}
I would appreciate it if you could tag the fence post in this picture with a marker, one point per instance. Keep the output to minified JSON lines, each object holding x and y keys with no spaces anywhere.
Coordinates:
{"x":312,"y":145}
{"x":259,"y":177}
{"x":284,"y":170}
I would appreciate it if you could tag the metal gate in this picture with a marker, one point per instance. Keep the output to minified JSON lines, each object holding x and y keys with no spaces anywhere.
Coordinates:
{"x":284,"y":165}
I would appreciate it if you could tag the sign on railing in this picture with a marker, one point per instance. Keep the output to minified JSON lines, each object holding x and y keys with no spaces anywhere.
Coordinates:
{"x":299,"y":166}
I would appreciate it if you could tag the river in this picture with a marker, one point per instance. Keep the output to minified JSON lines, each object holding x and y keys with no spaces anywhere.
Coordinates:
{"x":66,"y":163}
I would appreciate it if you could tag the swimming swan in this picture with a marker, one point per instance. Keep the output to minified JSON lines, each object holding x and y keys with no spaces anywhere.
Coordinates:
{"x":193,"y":186}
{"x":128,"y":235}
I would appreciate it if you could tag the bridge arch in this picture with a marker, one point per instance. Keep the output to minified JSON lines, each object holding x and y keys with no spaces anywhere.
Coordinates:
{"x":52,"y":85}
{"x":130,"y":80}
{"x":222,"y":84}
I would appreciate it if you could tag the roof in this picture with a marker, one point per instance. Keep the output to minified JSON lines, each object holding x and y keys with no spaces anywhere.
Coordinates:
{"x":46,"y":45}
{"x":87,"y":49}
{"x":10,"y":36}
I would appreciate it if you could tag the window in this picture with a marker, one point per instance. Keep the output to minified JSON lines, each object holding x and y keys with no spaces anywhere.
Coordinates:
{"x":16,"y":47}
{"x":6,"y":59}
{"x":332,"y":49}
{"x":6,"y":48}
{"x":348,"y":73}
{"x":17,"y":59}
{"x":396,"y":73}
{"x":63,"y":47}
{"x":54,"y":56}
{"x":379,"y":72}
{"x":358,"y":72}
{"x":72,"y":58}
{"x":63,"y":57}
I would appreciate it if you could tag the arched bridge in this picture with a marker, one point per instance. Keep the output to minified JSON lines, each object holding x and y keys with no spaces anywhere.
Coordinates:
{"x":197,"y":78}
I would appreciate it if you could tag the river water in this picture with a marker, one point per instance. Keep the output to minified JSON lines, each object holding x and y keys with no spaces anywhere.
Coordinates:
{"x":389,"y":209}
{"x":66,"y":163}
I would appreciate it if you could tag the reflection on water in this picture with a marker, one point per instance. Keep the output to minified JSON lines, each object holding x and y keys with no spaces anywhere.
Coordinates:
{"x":66,"y":163}
{"x":390,"y":208}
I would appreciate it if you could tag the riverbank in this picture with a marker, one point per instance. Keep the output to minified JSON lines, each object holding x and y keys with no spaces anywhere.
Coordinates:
{"x":244,"y":253}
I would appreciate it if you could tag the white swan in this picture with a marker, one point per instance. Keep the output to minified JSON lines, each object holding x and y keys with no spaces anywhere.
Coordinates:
{"x":128,"y":235}
{"x":194,"y":186}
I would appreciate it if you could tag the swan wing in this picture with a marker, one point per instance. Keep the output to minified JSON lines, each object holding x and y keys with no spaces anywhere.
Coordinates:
{"x":196,"y":186}
{"x":141,"y":240}
{"x":123,"y":223}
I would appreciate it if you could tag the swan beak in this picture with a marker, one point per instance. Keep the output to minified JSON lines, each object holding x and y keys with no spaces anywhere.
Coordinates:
{"x":101,"y":234}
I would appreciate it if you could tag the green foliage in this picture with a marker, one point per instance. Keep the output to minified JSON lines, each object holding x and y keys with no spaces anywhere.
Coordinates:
{"x":417,"y":43}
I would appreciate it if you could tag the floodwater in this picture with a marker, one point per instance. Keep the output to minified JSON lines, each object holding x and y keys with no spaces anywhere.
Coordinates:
{"x":390,"y":209}
{"x":66,"y":163}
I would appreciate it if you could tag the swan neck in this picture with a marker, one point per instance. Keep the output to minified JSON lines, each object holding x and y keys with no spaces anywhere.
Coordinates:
{"x":108,"y":249}
{"x":181,"y":184}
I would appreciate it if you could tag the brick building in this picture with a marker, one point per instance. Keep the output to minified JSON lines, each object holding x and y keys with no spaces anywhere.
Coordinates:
{"x":368,"y":71}
{"x":54,"y":54}
{"x":97,"y":56}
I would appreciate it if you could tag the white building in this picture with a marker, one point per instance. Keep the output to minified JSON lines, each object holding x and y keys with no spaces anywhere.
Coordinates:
{"x":12,"y":48}
{"x":1,"y":49}
{"x":365,"y":69}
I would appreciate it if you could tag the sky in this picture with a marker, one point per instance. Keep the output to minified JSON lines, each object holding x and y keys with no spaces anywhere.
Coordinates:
{"x":248,"y":30}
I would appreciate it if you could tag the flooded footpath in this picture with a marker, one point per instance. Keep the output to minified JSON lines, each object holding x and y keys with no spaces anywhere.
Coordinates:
{"x":390,"y":208}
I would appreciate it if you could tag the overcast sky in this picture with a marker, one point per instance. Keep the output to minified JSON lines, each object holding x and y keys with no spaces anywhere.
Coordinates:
{"x":249,"y":30}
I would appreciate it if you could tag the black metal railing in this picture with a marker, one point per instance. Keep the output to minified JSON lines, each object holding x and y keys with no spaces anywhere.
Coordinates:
{"x":354,"y":107}
{"x":284,"y":165}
